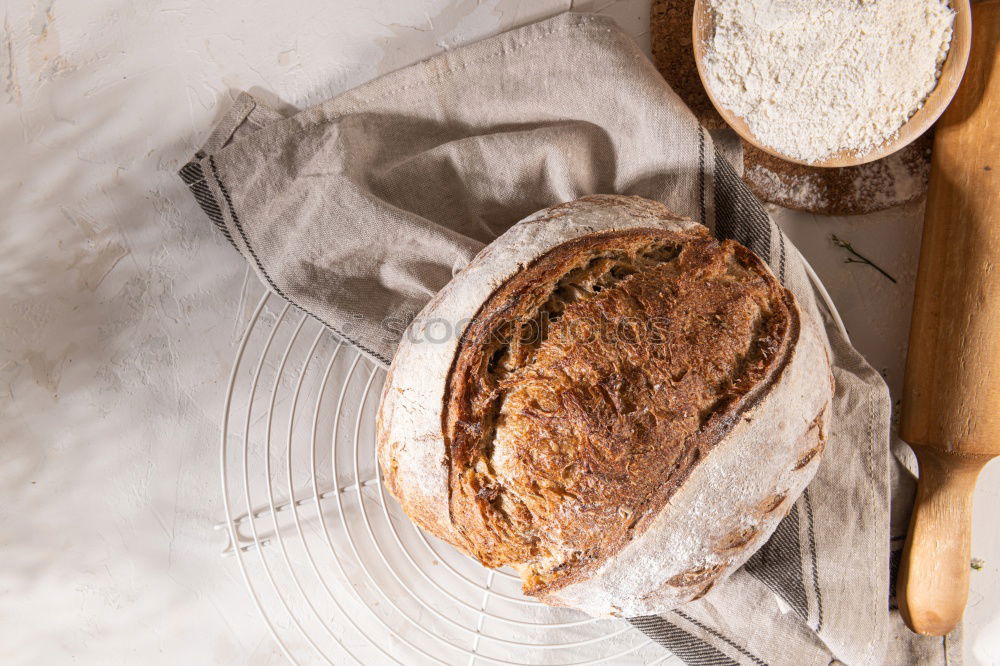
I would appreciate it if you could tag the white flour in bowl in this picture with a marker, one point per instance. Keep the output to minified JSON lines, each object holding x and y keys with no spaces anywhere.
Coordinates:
{"x":814,"y":77}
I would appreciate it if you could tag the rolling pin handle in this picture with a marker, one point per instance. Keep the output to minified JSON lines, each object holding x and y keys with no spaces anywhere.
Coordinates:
{"x":933,"y":584}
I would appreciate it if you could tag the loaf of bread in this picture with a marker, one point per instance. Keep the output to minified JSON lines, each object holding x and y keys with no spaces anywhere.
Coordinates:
{"x":610,"y":401}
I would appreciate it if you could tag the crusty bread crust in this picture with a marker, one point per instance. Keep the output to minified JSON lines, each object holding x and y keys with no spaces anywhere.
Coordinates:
{"x":593,"y":381}
{"x":650,"y":537}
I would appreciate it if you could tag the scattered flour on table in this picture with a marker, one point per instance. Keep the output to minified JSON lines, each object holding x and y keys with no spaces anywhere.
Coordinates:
{"x":814,"y":77}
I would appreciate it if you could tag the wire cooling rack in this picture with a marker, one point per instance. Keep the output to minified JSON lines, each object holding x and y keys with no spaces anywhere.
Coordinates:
{"x":336,"y":570}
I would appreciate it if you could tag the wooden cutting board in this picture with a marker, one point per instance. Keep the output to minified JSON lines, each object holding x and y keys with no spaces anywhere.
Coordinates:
{"x":866,"y":188}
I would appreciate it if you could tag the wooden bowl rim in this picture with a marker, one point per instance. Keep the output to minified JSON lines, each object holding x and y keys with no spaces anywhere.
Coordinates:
{"x":935,"y":104}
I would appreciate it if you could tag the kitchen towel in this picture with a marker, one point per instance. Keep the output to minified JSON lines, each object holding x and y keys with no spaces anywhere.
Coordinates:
{"x":359,"y":209}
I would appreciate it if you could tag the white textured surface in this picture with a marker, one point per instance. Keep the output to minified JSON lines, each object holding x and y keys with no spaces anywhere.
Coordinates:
{"x":119,"y":307}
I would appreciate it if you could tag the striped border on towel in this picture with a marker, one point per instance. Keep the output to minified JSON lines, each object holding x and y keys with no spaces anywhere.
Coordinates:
{"x":778,"y":564}
{"x":688,"y":647}
{"x":738,"y":214}
{"x":194,"y":176}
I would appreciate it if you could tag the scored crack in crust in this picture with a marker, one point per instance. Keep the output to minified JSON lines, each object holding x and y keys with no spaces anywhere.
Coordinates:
{"x":590,"y":384}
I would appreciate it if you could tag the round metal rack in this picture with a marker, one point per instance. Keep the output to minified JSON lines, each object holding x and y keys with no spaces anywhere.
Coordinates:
{"x":336,"y":570}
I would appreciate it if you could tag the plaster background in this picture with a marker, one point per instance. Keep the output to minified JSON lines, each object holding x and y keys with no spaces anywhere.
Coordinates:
{"x":121,"y":306}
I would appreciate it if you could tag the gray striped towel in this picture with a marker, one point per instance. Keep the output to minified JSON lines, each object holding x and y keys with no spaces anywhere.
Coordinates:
{"x":359,"y":209}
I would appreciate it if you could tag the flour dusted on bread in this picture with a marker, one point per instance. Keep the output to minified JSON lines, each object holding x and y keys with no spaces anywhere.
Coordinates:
{"x":630,"y":410}
{"x":592,"y":382}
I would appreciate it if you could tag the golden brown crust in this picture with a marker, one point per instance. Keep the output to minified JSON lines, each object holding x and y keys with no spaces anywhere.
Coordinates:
{"x":592,"y":382}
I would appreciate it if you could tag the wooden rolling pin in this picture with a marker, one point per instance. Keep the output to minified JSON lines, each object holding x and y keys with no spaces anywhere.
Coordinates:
{"x":951,"y":395}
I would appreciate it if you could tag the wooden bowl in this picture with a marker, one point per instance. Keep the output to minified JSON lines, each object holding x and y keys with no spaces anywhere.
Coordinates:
{"x":919,"y":122}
